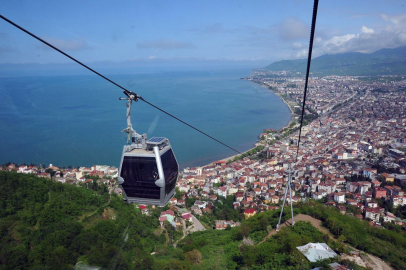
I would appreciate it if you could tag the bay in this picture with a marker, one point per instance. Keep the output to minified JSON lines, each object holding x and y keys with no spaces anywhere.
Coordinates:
{"x":76,"y":120}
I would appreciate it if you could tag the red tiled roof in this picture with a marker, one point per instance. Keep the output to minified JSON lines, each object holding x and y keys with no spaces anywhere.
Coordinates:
{"x":249,"y":211}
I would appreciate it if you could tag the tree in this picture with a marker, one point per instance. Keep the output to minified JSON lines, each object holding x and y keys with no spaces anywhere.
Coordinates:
{"x":95,"y":185}
{"x":178,"y":194}
{"x":51,"y":172}
{"x":194,"y":257}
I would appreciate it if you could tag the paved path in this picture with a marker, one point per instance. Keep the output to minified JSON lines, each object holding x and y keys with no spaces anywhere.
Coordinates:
{"x":197,"y":225}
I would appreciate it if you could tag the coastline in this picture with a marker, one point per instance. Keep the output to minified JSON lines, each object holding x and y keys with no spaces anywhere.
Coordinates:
{"x":284,"y":101}
{"x":67,"y":154}
{"x":256,"y":144}
{"x":106,"y":148}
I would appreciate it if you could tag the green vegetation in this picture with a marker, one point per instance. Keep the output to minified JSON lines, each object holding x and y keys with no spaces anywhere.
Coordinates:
{"x":48,"y":225}
{"x":388,"y":245}
{"x":223,"y":209}
{"x":251,"y":153}
{"x":239,"y":248}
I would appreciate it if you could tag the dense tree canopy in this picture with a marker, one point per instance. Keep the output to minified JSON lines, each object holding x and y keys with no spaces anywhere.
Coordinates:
{"x":49,"y":225}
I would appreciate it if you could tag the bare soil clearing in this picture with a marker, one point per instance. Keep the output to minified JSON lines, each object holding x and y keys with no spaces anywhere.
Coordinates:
{"x":366,"y":260}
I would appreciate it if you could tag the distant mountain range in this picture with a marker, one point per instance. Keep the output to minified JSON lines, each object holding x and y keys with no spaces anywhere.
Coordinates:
{"x":382,"y":62}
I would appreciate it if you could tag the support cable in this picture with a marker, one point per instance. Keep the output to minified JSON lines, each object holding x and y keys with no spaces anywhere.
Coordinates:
{"x":309,"y":59}
{"x":116,"y":84}
{"x":188,"y":125}
{"x":290,"y":170}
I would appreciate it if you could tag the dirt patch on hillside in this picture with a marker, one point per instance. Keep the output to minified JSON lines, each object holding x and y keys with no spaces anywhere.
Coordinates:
{"x":366,"y":260}
{"x":300,"y":217}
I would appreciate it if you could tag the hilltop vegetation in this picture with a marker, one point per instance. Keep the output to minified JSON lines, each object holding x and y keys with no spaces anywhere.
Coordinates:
{"x":382,"y":62}
{"x":48,"y":225}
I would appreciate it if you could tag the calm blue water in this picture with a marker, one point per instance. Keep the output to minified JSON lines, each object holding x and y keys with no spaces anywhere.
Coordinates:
{"x":77,"y":120}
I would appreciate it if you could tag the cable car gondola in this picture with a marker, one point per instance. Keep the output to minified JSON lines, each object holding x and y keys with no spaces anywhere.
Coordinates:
{"x":148,"y":169}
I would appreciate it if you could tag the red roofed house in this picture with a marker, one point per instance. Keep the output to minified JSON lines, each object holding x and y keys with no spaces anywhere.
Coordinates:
{"x":187,"y":216}
{"x":376,"y":183}
{"x":379,"y":192}
{"x":144,"y":209}
{"x":220,"y":162}
{"x":11,"y":167}
{"x":169,"y":216}
{"x":249,"y":213}
{"x":173,"y":201}
{"x":213,"y":197}
{"x":239,"y":196}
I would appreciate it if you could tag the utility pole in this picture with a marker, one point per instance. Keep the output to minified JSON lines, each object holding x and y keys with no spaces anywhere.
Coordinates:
{"x":288,"y":188}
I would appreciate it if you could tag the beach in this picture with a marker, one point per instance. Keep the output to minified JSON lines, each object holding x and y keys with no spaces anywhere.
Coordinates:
{"x":284,"y":101}
{"x":290,"y":121}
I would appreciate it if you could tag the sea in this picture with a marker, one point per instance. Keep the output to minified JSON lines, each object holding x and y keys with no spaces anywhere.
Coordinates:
{"x":76,"y":120}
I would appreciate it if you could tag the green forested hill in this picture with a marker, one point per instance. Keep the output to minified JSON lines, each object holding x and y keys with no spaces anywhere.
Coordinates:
{"x":48,"y":225}
{"x":382,"y":62}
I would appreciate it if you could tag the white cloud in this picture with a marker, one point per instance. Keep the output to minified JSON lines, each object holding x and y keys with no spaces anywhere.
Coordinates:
{"x":397,"y":20}
{"x":302,"y":54}
{"x":367,"y":30}
{"x":391,"y":34}
{"x":66,"y":45}
{"x":338,"y":43}
{"x":165,"y":44}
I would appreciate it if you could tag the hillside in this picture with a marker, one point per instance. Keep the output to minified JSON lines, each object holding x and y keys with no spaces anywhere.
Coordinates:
{"x":49,"y":225}
{"x":382,"y":62}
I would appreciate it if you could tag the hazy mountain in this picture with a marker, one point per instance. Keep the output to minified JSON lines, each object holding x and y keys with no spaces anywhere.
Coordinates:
{"x":382,"y":62}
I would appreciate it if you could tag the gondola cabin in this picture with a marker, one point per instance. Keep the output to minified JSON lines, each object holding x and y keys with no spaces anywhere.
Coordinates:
{"x":148,"y":173}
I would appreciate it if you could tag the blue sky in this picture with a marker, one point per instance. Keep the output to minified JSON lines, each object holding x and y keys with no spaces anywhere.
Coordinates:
{"x":94,"y":31}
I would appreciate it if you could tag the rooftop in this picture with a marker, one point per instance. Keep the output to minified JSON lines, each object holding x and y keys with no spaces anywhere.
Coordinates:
{"x":316,"y":251}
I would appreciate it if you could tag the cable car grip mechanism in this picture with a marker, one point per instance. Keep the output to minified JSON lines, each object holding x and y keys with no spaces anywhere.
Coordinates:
{"x":137,"y":141}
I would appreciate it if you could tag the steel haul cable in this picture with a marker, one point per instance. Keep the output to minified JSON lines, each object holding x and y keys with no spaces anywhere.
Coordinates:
{"x":289,"y":185}
{"x":104,"y":77}
{"x":309,"y":59}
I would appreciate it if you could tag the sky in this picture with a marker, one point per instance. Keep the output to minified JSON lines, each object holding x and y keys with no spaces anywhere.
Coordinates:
{"x":153,"y":31}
